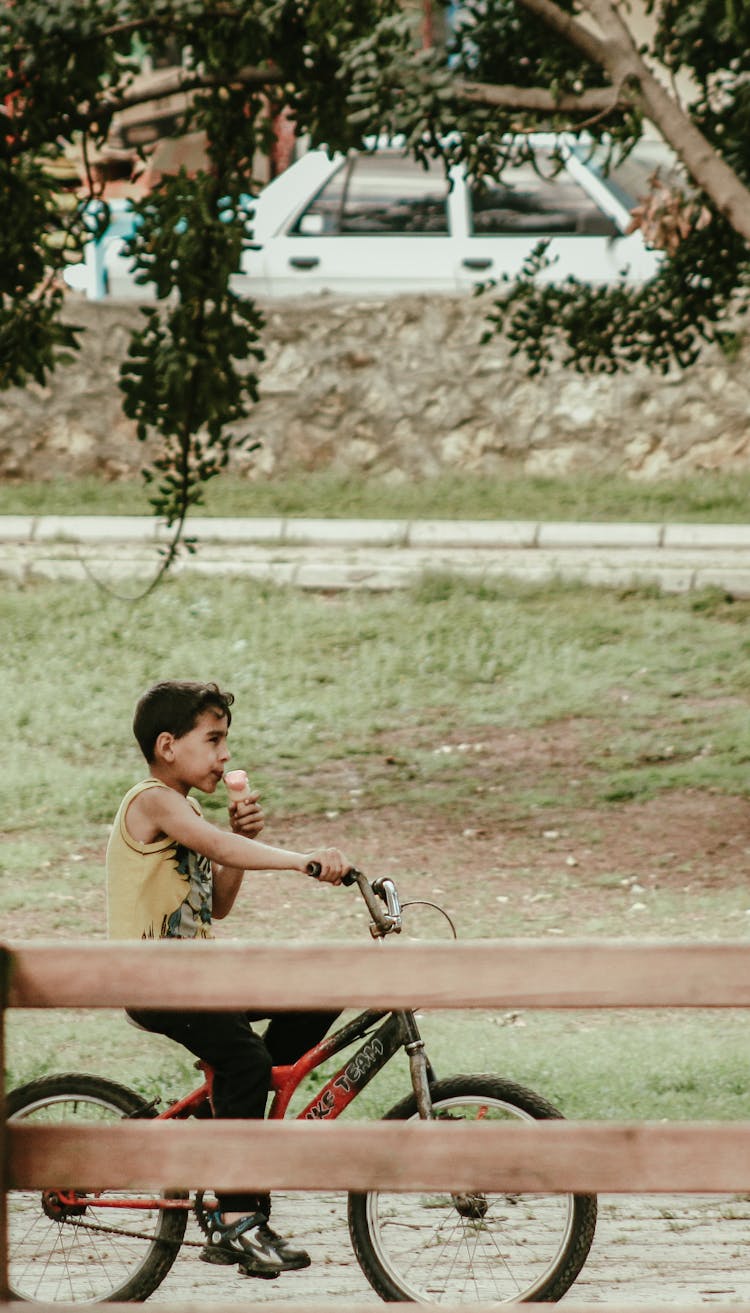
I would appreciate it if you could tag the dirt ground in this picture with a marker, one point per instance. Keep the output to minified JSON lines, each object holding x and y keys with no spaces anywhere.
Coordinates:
{"x":704,"y":830}
{"x":504,"y":865}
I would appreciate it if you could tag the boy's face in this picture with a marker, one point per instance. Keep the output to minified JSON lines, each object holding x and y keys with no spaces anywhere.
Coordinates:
{"x":198,"y":758}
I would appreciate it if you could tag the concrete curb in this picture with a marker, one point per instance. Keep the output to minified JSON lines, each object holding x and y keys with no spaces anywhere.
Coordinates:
{"x":382,"y":533}
{"x":376,"y":554}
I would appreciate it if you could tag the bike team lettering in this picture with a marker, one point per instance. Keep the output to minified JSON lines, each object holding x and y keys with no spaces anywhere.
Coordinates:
{"x":348,"y":1079}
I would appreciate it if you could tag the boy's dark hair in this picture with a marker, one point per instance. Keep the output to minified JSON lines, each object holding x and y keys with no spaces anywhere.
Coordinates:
{"x":174,"y":706}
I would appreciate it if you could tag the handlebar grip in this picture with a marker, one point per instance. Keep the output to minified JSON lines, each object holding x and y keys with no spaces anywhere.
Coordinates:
{"x":314,"y":869}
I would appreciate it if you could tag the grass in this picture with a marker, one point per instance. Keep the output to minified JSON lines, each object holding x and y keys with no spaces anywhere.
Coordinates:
{"x":709,"y":497}
{"x":372,"y":682}
{"x":346,"y":697}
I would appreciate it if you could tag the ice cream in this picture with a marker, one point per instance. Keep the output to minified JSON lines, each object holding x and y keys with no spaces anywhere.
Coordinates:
{"x":237,"y":785}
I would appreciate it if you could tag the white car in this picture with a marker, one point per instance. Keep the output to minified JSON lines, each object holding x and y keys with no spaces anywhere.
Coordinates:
{"x":380,"y":223}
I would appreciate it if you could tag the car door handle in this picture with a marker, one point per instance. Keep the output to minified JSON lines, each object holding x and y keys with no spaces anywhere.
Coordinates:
{"x":304,"y":261}
{"x":477,"y":264}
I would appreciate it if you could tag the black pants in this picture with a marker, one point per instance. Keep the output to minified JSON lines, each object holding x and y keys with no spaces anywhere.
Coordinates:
{"x":242,"y":1062}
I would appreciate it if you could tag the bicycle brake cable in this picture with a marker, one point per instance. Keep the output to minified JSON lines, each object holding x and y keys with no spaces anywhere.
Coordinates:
{"x":423,"y":902}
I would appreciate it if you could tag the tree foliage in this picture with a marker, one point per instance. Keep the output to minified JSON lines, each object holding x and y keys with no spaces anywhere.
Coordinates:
{"x":343,"y":71}
{"x":68,"y":67}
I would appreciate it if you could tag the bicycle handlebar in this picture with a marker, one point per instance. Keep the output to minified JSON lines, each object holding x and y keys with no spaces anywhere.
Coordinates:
{"x":385,"y":920}
{"x":314,"y":869}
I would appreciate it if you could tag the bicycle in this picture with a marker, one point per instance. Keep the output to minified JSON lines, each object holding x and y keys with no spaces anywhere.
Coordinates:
{"x":69,"y":1246}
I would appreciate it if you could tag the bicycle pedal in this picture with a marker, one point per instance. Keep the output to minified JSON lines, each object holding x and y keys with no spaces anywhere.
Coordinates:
{"x":218,"y":1257}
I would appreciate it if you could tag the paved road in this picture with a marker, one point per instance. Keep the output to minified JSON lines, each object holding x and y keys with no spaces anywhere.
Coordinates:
{"x":686,"y":1250}
{"x":382,"y":554}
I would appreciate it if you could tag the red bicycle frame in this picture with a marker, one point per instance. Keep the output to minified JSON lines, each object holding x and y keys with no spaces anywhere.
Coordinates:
{"x":397,"y":1030}
{"x":338,"y":1091}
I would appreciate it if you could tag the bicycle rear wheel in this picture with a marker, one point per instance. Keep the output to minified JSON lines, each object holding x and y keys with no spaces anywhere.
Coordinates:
{"x":90,"y":1253}
{"x":435,"y":1248}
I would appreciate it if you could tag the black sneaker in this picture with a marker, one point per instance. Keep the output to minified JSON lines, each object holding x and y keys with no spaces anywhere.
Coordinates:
{"x":244,"y":1243}
{"x":292,"y":1258}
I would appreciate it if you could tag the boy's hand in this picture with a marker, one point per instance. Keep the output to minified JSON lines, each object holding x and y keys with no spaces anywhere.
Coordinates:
{"x":246,"y":816}
{"x":333,"y":864}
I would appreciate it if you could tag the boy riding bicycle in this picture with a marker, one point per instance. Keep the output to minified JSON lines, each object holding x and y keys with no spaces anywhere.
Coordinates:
{"x":170,"y":872}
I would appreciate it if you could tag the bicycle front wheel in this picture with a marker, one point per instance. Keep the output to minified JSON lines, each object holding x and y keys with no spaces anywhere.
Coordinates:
{"x":87,"y":1253}
{"x":432,"y":1248}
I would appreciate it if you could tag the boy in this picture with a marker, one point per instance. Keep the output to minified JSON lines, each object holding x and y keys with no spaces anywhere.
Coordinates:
{"x":169,"y":873}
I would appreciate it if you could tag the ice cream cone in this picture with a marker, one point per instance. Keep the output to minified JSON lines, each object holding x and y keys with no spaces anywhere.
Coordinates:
{"x":237,"y":785}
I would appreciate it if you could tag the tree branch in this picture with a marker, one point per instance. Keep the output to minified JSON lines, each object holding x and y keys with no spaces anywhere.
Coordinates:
{"x":173,"y":82}
{"x":596,"y":100}
{"x":176,"y":82}
{"x":569,"y":28}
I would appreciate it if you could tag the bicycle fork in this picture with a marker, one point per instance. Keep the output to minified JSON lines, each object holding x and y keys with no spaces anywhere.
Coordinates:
{"x":420,"y":1068}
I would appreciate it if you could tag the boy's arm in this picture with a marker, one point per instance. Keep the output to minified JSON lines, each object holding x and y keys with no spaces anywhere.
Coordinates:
{"x":246,"y":818}
{"x":170,"y":813}
{"x":226,"y":886}
{"x":227,"y":879}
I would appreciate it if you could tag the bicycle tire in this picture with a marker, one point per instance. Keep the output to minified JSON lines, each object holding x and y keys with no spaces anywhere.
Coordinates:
{"x":81,"y":1259}
{"x":503,"y":1249}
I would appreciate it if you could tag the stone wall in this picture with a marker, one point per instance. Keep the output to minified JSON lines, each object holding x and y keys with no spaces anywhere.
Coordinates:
{"x":398,"y":388}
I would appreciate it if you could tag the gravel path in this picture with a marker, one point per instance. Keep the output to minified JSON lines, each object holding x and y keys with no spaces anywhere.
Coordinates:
{"x":658,"y":1249}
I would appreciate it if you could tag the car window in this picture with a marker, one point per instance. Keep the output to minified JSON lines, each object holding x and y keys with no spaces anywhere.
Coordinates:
{"x":630,"y":179}
{"x":540,"y":202}
{"x":384,"y":195}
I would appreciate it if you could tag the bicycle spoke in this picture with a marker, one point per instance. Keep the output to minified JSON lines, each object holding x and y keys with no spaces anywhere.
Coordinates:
{"x":457,"y":1253}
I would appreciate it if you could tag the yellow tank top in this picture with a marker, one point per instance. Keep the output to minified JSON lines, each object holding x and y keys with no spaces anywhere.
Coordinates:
{"x":158,"y":890}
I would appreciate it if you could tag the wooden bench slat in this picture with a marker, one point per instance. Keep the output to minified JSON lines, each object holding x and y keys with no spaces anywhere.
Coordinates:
{"x":627,"y":1158}
{"x":492,"y":974}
